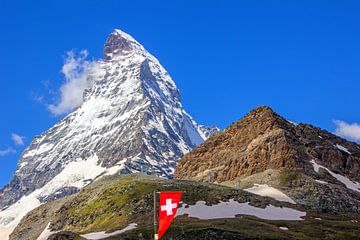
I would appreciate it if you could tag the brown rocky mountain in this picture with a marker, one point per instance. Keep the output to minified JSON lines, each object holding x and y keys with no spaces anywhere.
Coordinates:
{"x":313,"y":166}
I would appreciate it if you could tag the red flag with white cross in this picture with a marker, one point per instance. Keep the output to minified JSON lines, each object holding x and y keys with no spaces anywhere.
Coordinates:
{"x":169,"y":202}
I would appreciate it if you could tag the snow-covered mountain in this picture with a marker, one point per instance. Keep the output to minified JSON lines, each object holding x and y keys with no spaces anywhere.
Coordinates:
{"x":131,"y":121}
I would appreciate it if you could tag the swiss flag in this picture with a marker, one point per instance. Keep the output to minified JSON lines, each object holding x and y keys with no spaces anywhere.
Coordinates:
{"x":169,"y":202}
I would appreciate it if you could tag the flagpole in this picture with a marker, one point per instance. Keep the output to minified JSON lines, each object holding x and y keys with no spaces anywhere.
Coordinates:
{"x":155,"y":234}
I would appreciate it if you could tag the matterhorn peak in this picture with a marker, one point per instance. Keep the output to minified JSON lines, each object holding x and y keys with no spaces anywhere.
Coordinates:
{"x":130,"y":121}
{"x":120,"y":43}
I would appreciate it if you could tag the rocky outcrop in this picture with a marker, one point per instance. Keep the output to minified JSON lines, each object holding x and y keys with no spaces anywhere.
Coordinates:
{"x":316,"y":168}
{"x":265,"y":140}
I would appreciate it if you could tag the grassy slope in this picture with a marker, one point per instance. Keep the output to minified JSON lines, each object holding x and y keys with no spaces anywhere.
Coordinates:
{"x":121,"y":201}
{"x":114,"y":202}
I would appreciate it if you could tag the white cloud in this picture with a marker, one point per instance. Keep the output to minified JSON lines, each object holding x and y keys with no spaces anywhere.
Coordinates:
{"x":77,"y":70}
{"x":6,"y":152}
{"x":18,"y":140}
{"x":346,"y":130}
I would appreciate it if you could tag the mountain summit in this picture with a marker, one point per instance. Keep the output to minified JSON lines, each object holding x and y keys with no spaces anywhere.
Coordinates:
{"x":316,"y":168}
{"x":265,"y":140}
{"x":120,"y":43}
{"x":262,"y":139}
{"x":131,"y":120}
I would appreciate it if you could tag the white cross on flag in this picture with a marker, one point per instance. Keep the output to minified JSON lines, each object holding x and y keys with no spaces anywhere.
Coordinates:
{"x":168,"y":207}
{"x":169,"y":202}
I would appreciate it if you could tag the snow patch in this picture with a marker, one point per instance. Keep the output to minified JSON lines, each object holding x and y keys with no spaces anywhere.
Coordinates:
{"x":5,"y":232}
{"x":320,"y":181}
{"x":342,"y":148}
{"x":283,"y":228}
{"x":42,"y":149}
{"x":293,"y":123}
{"x":46,"y":233}
{"x":11,"y":217}
{"x":23,"y":164}
{"x":355,"y":186}
{"x":267,"y":191}
{"x":232,"y":208}
{"x":75,"y":174}
{"x":315,"y":166}
{"x":102,"y":235}
{"x":192,"y":131}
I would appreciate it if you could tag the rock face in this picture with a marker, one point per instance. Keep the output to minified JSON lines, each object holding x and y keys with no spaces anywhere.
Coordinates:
{"x":259,"y":141}
{"x":264,"y":140}
{"x":131,"y":120}
{"x":316,"y":168}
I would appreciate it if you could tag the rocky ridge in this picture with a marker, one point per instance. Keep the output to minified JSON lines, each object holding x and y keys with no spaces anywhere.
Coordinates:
{"x":315,"y":167}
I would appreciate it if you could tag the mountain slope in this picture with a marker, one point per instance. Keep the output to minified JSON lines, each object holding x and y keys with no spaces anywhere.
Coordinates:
{"x":208,"y":211}
{"x":312,"y":166}
{"x":131,"y":121}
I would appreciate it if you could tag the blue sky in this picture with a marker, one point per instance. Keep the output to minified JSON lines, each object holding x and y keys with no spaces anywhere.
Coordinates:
{"x":302,"y":58}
